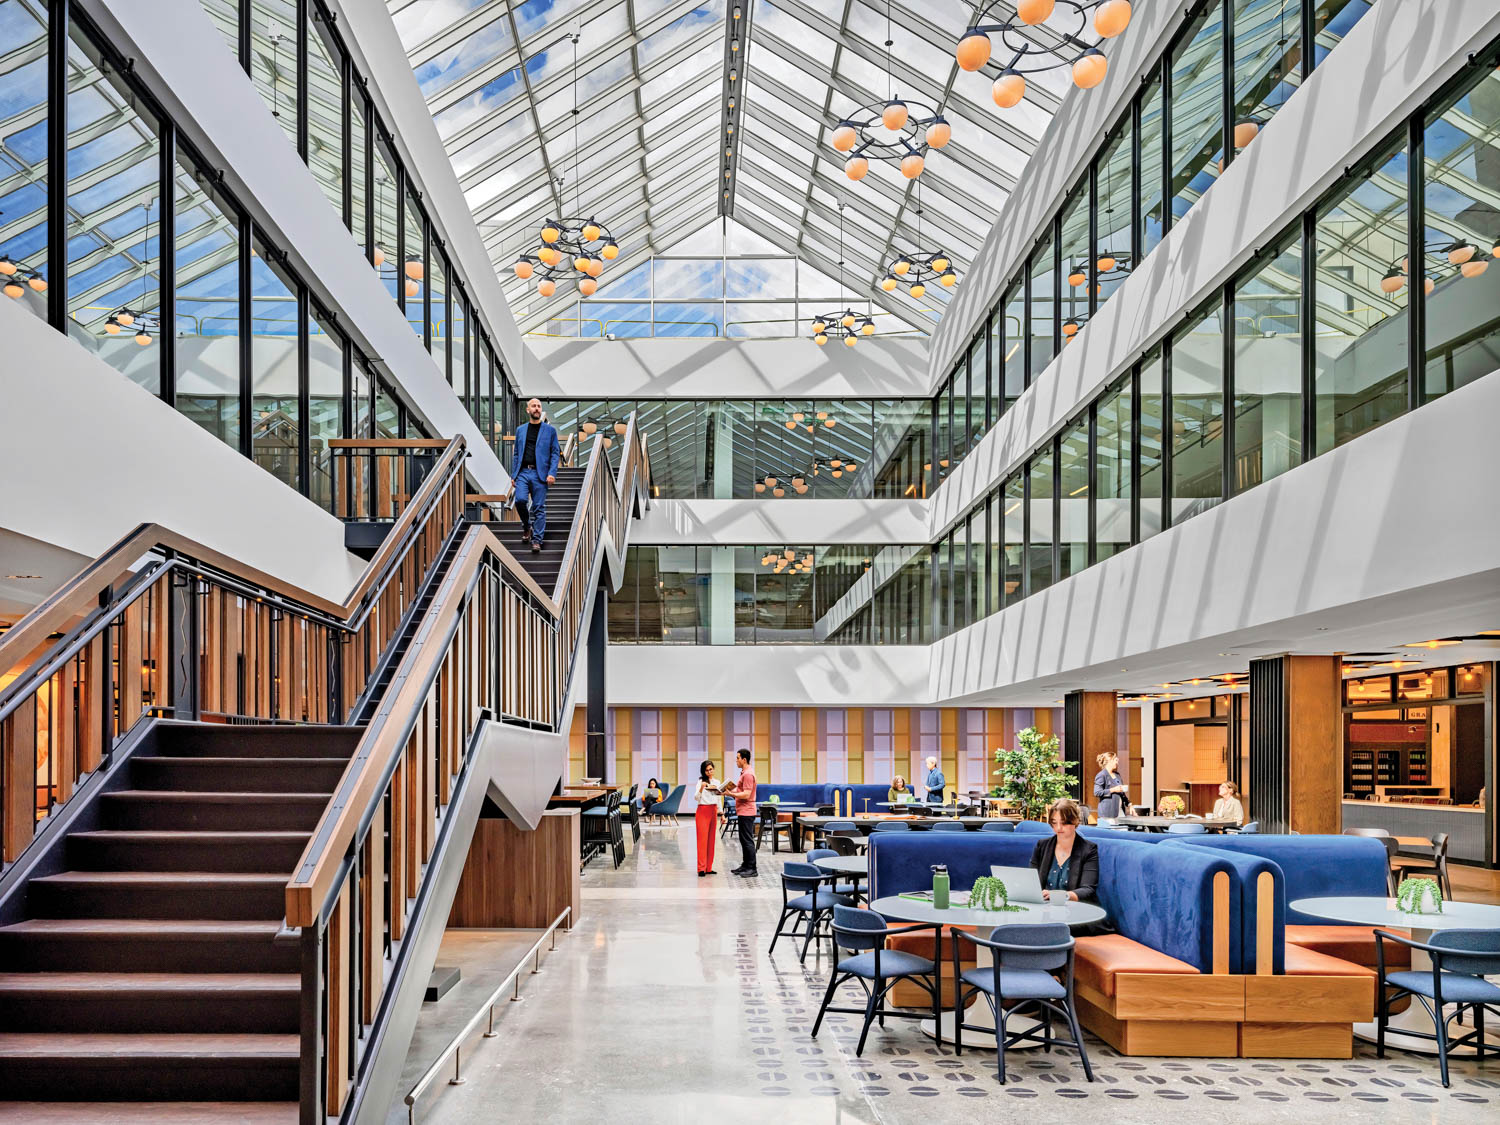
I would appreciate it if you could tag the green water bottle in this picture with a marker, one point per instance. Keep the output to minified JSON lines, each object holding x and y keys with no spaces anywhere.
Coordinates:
{"x":940,"y":886}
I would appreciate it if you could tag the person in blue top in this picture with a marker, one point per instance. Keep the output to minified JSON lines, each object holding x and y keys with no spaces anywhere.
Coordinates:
{"x":934,"y":782}
{"x":534,"y":468}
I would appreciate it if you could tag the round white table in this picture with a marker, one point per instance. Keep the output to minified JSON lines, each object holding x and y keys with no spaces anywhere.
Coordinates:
{"x":845,"y":864}
{"x":1367,"y":910}
{"x":978,"y":1013}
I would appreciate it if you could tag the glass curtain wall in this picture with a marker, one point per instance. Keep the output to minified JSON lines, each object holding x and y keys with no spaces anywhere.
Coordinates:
{"x":207,"y":303}
{"x":1225,"y":403}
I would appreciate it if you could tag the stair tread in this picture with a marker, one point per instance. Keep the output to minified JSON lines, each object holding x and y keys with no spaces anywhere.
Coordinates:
{"x":184,"y":878}
{"x":149,"y":1045}
{"x":147,"y":983}
{"x":190,"y":835}
{"x":238,"y":762}
{"x":228,"y":797}
{"x":138,"y":928}
{"x":149,"y":1113}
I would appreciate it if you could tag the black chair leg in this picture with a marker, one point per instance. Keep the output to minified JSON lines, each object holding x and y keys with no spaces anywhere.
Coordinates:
{"x":1083,"y":1054}
{"x":1442,"y":1039}
{"x":833,"y":981}
{"x":785,"y":914}
{"x":864,"y":1031}
{"x":937,"y":1004}
{"x":812,"y":929}
{"x":958,"y":1016}
{"x":1382,"y":1014}
{"x":999,"y":1007}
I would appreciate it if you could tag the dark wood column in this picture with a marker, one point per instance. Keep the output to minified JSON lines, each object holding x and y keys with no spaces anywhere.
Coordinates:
{"x":1089,"y":729}
{"x":1296,"y":744}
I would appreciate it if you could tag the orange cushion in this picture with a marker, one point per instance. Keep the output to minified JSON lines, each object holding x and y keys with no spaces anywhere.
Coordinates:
{"x":784,"y":817}
{"x":1350,"y":943}
{"x":922,"y":944}
{"x":1096,"y":960}
{"x":1302,"y":962}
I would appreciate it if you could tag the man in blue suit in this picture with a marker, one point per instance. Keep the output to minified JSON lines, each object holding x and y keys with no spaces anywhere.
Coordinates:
{"x":534,"y":468}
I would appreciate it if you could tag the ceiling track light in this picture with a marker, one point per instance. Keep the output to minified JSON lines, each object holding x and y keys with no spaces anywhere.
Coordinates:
{"x":1004,"y":30}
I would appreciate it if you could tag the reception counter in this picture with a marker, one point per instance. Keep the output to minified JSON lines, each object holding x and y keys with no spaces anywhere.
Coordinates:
{"x":1464,"y":824}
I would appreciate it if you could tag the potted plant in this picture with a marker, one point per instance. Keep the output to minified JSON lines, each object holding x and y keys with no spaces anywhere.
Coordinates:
{"x":1171,"y":805}
{"x":1033,"y":775}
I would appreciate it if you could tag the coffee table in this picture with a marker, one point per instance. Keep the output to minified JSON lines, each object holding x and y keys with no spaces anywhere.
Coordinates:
{"x":978,"y":1013}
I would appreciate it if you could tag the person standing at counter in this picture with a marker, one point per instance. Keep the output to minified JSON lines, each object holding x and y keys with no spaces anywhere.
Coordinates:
{"x":1228,"y":806}
{"x":1109,"y":787}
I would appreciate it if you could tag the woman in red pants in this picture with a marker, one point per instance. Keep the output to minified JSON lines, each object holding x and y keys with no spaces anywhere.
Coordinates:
{"x":708,"y":799}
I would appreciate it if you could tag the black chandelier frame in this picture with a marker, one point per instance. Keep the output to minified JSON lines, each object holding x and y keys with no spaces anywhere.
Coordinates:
{"x":909,"y":140}
{"x":1011,"y":32}
{"x":1442,"y":260}
{"x":570,"y":245}
{"x":921,"y":269}
{"x":833,"y":325}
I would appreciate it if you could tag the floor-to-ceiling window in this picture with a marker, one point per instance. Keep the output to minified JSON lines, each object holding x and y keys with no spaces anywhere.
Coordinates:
{"x":1197,"y":395}
{"x":1196,"y":69}
{"x":1267,"y":325}
{"x":1073,"y":499}
{"x":1112,"y":471}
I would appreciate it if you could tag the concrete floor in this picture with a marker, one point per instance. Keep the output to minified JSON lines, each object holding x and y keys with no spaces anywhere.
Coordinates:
{"x":663,"y":1006}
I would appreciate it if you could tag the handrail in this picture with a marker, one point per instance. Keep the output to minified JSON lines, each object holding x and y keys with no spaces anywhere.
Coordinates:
{"x":455,"y":1045}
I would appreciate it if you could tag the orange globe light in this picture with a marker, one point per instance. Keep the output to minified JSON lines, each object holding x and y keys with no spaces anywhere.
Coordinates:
{"x":378,"y":257}
{"x":7,"y":267}
{"x":547,"y":287}
{"x":847,"y":320}
{"x":1106,"y":263}
{"x":940,"y":263}
{"x":1112,"y":18}
{"x":111,"y":328}
{"x":143,"y":337}
{"x":610,"y":252}
{"x":594,"y":268}
{"x":125,"y":317}
{"x":857,"y":168}
{"x":1009,"y":89}
{"x":1428,"y":286}
{"x":588,"y":286}
{"x":1077,"y":278}
{"x":580,"y":263}
{"x":887,"y":283}
{"x":1474,"y":268}
{"x":1034,"y":11}
{"x":550,"y":255}
{"x":939,"y":133}
{"x":867,"y":328}
{"x":591,"y":231}
{"x":1090,"y":69}
{"x":38,"y":283}
{"x":844,"y":137}
{"x":948,"y":280}
{"x":415,"y":270}
{"x":14,"y":289}
{"x":550,"y":233}
{"x":912,"y":165}
{"x":894,"y":115}
{"x":901,"y":268}
{"x":1070,"y":328}
{"x":1495,"y":249}
{"x":1393,"y":281}
{"x":918,"y":289}
{"x":819,"y":326}
{"x":973,"y":51}
{"x":524,"y":269}
{"x":412,"y":287}
{"x":820,"y":339}
{"x":1245,"y":131}
{"x":1459,"y":253}
{"x":850,"y":341}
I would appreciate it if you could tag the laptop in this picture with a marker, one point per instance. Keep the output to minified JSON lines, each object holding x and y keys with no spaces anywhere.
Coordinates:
{"x":1021,"y":883}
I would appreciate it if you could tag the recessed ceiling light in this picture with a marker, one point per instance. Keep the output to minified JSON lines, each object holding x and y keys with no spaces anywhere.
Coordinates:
{"x":1429,"y":644}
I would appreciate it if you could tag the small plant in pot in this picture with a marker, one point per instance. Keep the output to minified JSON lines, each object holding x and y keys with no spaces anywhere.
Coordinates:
{"x":1171,"y":805}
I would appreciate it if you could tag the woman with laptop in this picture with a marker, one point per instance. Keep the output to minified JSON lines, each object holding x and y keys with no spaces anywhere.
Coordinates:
{"x":1065,"y":862}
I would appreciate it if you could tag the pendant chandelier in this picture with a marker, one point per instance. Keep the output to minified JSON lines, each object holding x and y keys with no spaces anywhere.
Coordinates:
{"x":843,"y":324}
{"x":590,"y":428}
{"x":787,"y":560}
{"x":822,"y":418}
{"x":413,"y":272}
{"x":777,"y":484}
{"x":1442,"y":260}
{"x":1025,"y":55}
{"x":898,"y":130}
{"x":143,"y":323}
{"x":572,"y":247}
{"x":915,"y":269}
{"x":18,"y":275}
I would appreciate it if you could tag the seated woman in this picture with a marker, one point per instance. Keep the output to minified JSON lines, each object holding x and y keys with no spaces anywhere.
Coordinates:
{"x":651,"y":796}
{"x":1228,"y":806}
{"x":899,"y":791}
{"x":1065,"y":861}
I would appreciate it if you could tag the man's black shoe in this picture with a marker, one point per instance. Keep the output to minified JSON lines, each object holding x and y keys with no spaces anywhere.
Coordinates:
{"x":536,"y":546}
{"x":738,"y":871}
{"x":751,"y":874}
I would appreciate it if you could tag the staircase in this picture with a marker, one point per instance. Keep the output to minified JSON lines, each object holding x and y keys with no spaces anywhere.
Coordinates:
{"x":148,"y":965}
{"x":562,"y":509}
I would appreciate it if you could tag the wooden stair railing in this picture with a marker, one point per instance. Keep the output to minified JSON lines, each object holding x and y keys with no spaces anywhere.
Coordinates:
{"x":162,"y":625}
{"x":492,"y":644}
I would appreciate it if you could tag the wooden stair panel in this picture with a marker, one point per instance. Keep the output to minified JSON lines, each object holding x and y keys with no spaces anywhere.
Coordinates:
{"x":163,"y":1066}
{"x":149,"y":1113}
{"x":158,"y":894}
{"x":218,"y":812}
{"x":216,"y":1003}
{"x":142,"y":850}
{"x":146,"y":945}
{"x":248,"y":775}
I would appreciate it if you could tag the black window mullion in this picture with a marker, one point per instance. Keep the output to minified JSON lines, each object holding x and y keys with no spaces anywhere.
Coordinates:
{"x":1093,"y":480}
{"x":247,"y":236}
{"x":1307,"y":312}
{"x":369,"y":231}
{"x":1056,"y":509}
{"x":166,"y":256}
{"x":1166,"y":142}
{"x":1226,"y":88}
{"x":304,"y":392}
{"x":1093,"y":266}
{"x":1135,"y":454}
{"x":1026,"y":333}
{"x":1166,"y":432}
{"x":1137,"y":216}
{"x":1025,"y":528}
{"x":1309,"y":49}
{"x":1416,"y":289}
{"x":425,"y":293}
{"x":346,"y":136}
{"x":1226,"y":388}
{"x":244,"y":36}
{"x":399,"y":173}
{"x":57,"y":167}
{"x":1057,"y":285}
{"x":304,"y":28}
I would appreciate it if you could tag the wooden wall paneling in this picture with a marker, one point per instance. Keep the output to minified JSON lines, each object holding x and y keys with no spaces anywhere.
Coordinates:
{"x":1315,"y":744}
{"x":948,"y":728}
{"x":18,"y":736}
{"x":513,"y":878}
{"x":64,"y":729}
{"x":265,"y":627}
{"x":212,"y":678}
{"x":446,"y":722}
{"x":1265,"y":918}
{"x":1221,"y":923}
{"x":232,"y":645}
{"x":411,"y":854}
{"x":90,"y":736}
{"x":400,"y":830}
{"x":670,"y":748}
{"x":430,"y":788}
{"x":372,"y":921}
{"x":337,"y":1000}
{"x":131,"y":654}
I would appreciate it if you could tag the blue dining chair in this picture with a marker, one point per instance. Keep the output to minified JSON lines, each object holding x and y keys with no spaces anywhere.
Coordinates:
{"x":1027,"y":961}
{"x":998,"y":826}
{"x":1252,"y":828}
{"x":878,"y":969}
{"x":892,"y":826}
{"x":948,"y":826}
{"x":1188,"y":829}
{"x":805,"y":902}
{"x":841,"y":826}
{"x":1461,"y":959}
{"x":849,"y":889}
